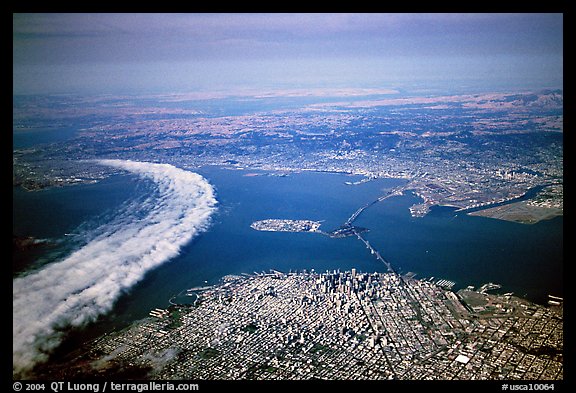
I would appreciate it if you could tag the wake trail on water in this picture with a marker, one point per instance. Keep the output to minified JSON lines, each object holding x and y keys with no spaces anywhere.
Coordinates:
{"x":78,"y":289}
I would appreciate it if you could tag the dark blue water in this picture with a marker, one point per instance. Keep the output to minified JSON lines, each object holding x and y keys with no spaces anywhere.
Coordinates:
{"x":525,"y":259}
{"x":61,"y":217}
{"x":29,"y":137}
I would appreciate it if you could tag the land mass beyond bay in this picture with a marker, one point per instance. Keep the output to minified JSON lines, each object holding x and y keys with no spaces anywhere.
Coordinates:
{"x":467,"y":151}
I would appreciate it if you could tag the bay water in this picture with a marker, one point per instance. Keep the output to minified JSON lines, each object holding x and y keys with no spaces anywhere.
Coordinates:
{"x":469,"y":250}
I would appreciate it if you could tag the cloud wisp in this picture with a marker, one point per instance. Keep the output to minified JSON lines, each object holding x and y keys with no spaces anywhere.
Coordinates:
{"x":76,"y":290}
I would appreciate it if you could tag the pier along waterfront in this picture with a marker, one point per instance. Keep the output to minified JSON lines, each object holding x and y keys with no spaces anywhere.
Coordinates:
{"x":334,"y":325}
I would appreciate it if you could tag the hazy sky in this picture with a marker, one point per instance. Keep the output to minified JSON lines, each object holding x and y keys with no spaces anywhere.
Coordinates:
{"x":134,"y":53}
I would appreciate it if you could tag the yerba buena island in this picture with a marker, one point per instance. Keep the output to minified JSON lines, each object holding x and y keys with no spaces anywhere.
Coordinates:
{"x":333,"y":325}
{"x":247,"y":197}
{"x":502,"y":158}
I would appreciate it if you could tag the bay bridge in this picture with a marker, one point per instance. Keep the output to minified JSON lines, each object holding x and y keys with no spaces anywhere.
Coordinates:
{"x":348,"y":227}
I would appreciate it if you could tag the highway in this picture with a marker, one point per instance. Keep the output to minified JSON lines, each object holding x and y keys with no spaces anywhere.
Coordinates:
{"x":374,"y":252}
{"x":394,"y":192}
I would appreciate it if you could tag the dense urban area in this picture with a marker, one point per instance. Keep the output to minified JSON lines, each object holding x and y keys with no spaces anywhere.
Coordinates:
{"x":334,"y":325}
{"x":498,"y":155}
{"x":465,"y":151}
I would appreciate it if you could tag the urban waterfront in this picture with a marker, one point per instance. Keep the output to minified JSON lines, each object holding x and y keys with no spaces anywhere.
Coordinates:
{"x":334,"y":325}
{"x":443,"y":246}
{"x":288,"y":197}
{"x":524,"y":259}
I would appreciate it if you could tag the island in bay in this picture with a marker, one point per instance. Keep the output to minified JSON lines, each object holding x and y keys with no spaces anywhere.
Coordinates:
{"x":447,"y":150}
{"x":253,"y":196}
{"x":283,"y":225}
